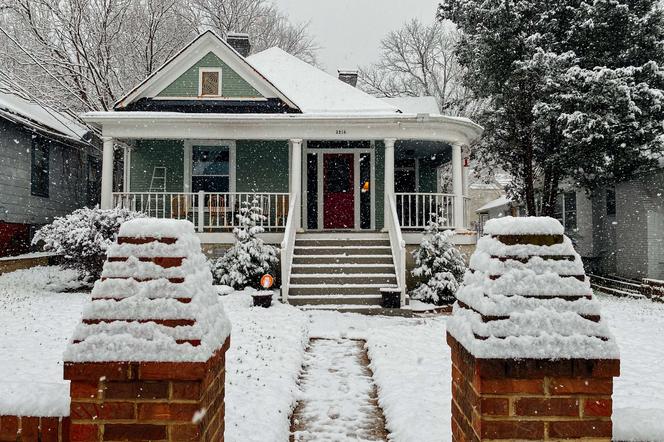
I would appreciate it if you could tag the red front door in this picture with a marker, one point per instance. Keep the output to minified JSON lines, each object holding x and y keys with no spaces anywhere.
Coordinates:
{"x":338,"y":194}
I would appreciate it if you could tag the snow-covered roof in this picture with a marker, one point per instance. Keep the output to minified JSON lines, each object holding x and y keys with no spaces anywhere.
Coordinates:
{"x":311,"y":89}
{"x":498,"y":202}
{"x":526,"y":295}
{"x":26,"y":112}
{"x":414,"y":105}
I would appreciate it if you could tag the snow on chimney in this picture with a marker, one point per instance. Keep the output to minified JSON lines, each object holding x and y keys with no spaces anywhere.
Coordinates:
{"x":348,"y":76}
{"x":239,"y":42}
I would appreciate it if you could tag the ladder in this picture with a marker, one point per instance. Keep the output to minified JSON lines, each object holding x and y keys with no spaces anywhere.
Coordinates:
{"x":158,"y":180}
{"x":157,"y":184}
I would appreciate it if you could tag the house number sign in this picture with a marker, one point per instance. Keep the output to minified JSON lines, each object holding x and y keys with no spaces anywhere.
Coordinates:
{"x":341,"y":132}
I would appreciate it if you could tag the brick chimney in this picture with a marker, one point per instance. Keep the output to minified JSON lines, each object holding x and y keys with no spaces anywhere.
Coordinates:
{"x":348,"y":76}
{"x":240,"y":42}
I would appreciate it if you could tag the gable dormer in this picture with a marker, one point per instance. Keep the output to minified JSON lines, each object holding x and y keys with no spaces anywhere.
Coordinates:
{"x":207,"y":76}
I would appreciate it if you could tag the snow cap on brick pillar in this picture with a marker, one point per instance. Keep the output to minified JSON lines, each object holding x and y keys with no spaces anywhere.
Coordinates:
{"x":527,"y":332}
{"x":154,"y":331}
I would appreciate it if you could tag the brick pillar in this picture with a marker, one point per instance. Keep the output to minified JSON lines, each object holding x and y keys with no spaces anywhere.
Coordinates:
{"x":157,"y":401}
{"x":33,"y":428}
{"x":147,"y":362}
{"x":530,"y":399}
{"x":531,"y":359}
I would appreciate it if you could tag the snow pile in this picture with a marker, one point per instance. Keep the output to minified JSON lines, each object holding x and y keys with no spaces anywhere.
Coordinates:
{"x":529,"y":301}
{"x":531,"y":225}
{"x":136,"y":297}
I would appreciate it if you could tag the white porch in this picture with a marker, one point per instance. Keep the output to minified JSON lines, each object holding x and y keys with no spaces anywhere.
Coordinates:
{"x":404,"y":214}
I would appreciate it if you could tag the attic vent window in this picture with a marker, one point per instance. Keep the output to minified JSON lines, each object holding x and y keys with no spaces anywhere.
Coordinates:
{"x":209,"y":82}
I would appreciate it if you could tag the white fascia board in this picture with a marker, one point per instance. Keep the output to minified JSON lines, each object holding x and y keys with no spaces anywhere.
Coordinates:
{"x":188,"y":56}
{"x":160,"y":125}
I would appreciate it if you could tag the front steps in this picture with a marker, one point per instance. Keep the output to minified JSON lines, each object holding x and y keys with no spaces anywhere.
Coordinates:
{"x":341,"y":271}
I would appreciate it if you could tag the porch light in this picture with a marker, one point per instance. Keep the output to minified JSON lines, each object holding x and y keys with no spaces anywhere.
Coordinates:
{"x":365,"y":186}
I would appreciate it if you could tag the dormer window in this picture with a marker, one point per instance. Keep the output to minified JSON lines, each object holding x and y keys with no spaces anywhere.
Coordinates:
{"x":209,"y":82}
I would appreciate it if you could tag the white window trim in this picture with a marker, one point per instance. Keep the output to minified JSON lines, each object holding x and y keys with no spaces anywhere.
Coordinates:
{"x":200,"y":81}
{"x":188,"y":160}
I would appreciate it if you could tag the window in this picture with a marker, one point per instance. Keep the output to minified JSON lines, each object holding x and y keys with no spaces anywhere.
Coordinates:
{"x":209,"y":82}
{"x":39,"y":173}
{"x":566,"y":210}
{"x":210,"y":169}
{"x":610,"y":202}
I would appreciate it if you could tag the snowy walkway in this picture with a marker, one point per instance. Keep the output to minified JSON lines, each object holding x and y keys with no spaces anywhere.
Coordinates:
{"x":339,"y":399}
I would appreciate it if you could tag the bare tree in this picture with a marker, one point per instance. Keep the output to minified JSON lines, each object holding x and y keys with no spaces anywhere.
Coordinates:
{"x":84,"y":54}
{"x":419,"y":60}
{"x":265,"y":24}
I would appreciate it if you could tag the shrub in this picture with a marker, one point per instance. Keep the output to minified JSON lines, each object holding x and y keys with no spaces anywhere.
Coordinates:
{"x":83,"y":236}
{"x":249,"y":258}
{"x":439,"y":266}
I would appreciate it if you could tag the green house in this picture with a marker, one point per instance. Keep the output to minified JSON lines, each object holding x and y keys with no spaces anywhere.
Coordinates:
{"x":215,"y":127}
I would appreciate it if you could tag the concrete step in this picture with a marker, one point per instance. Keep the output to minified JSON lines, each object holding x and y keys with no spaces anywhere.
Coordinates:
{"x":346,"y":269}
{"x":344,"y":308}
{"x":342,"y":242}
{"x":340,"y":278}
{"x":336,"y":289}
{"x":343,"y":235}
{"x":320,"y":300}
{"x":342,"y":259}
{"x":342,"y":250}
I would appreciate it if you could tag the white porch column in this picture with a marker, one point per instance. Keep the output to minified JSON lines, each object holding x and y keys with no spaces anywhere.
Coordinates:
{"x":389,"y":177}
{"x":296,"y":172}
{"x":457,"y":184}
{"x":107,"y":174}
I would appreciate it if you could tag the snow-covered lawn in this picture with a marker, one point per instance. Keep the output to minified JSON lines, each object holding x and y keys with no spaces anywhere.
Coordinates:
{"x":35,"y":325}
{"x":409,"y":358}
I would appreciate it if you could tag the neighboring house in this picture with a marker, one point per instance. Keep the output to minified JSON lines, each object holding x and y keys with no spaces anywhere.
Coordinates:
{"x":620,"y":230}
{"x":338,"y":172}
{"x":49,"y":168}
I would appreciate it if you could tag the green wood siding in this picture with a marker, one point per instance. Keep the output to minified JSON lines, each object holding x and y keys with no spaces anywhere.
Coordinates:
{"x":232,"y":84}
{"x":427,"y":178}
{"x":262,"y":166}
{"x":149,"y":154}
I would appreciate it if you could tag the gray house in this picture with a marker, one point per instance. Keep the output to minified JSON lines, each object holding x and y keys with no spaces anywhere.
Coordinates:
{"x":49,"y":168}
{"x":621,"y":230}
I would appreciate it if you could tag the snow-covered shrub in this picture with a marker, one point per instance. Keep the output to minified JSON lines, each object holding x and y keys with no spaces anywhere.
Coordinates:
{"x":83,"y":236}
{"x":249,"y":258}
{"x":439,"y":265}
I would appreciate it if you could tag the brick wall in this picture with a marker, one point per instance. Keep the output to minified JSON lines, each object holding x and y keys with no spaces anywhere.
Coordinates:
{"x":530,"y":399}
{"x":156,"y":401}
{"x":33,"y":429}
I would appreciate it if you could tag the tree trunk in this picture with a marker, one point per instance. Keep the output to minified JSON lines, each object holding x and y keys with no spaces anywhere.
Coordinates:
{"x":529,"y":178}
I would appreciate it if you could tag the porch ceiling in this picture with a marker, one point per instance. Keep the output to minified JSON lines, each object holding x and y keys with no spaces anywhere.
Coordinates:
{"x":162,"y":125}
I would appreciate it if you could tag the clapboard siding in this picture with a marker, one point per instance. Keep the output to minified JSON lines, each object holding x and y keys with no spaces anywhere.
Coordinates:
{"x":262,"y":166}
{"x":232,"y":84}
{"x":636,"y":201}
{"x":67,"y":176}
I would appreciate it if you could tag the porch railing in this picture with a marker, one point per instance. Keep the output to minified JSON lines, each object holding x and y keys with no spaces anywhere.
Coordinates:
{"x":414,"y":210}
{"x":209,"y":211}
{"x":288,"y":245}
{"x":398,"y":246}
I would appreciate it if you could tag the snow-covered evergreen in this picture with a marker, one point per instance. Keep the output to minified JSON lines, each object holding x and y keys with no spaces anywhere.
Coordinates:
{"x":83,"y":236}
{"x":439,"y":265}
{"x":249,"y":258}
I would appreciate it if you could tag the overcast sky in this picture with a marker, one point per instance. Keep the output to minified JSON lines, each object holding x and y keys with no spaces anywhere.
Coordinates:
{"x":349,"y":31}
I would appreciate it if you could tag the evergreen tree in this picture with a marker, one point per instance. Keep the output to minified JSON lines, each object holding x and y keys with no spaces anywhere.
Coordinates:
{"x":439,"y":265}
{"x":249,"y":258}
{"x":575,"y":89}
